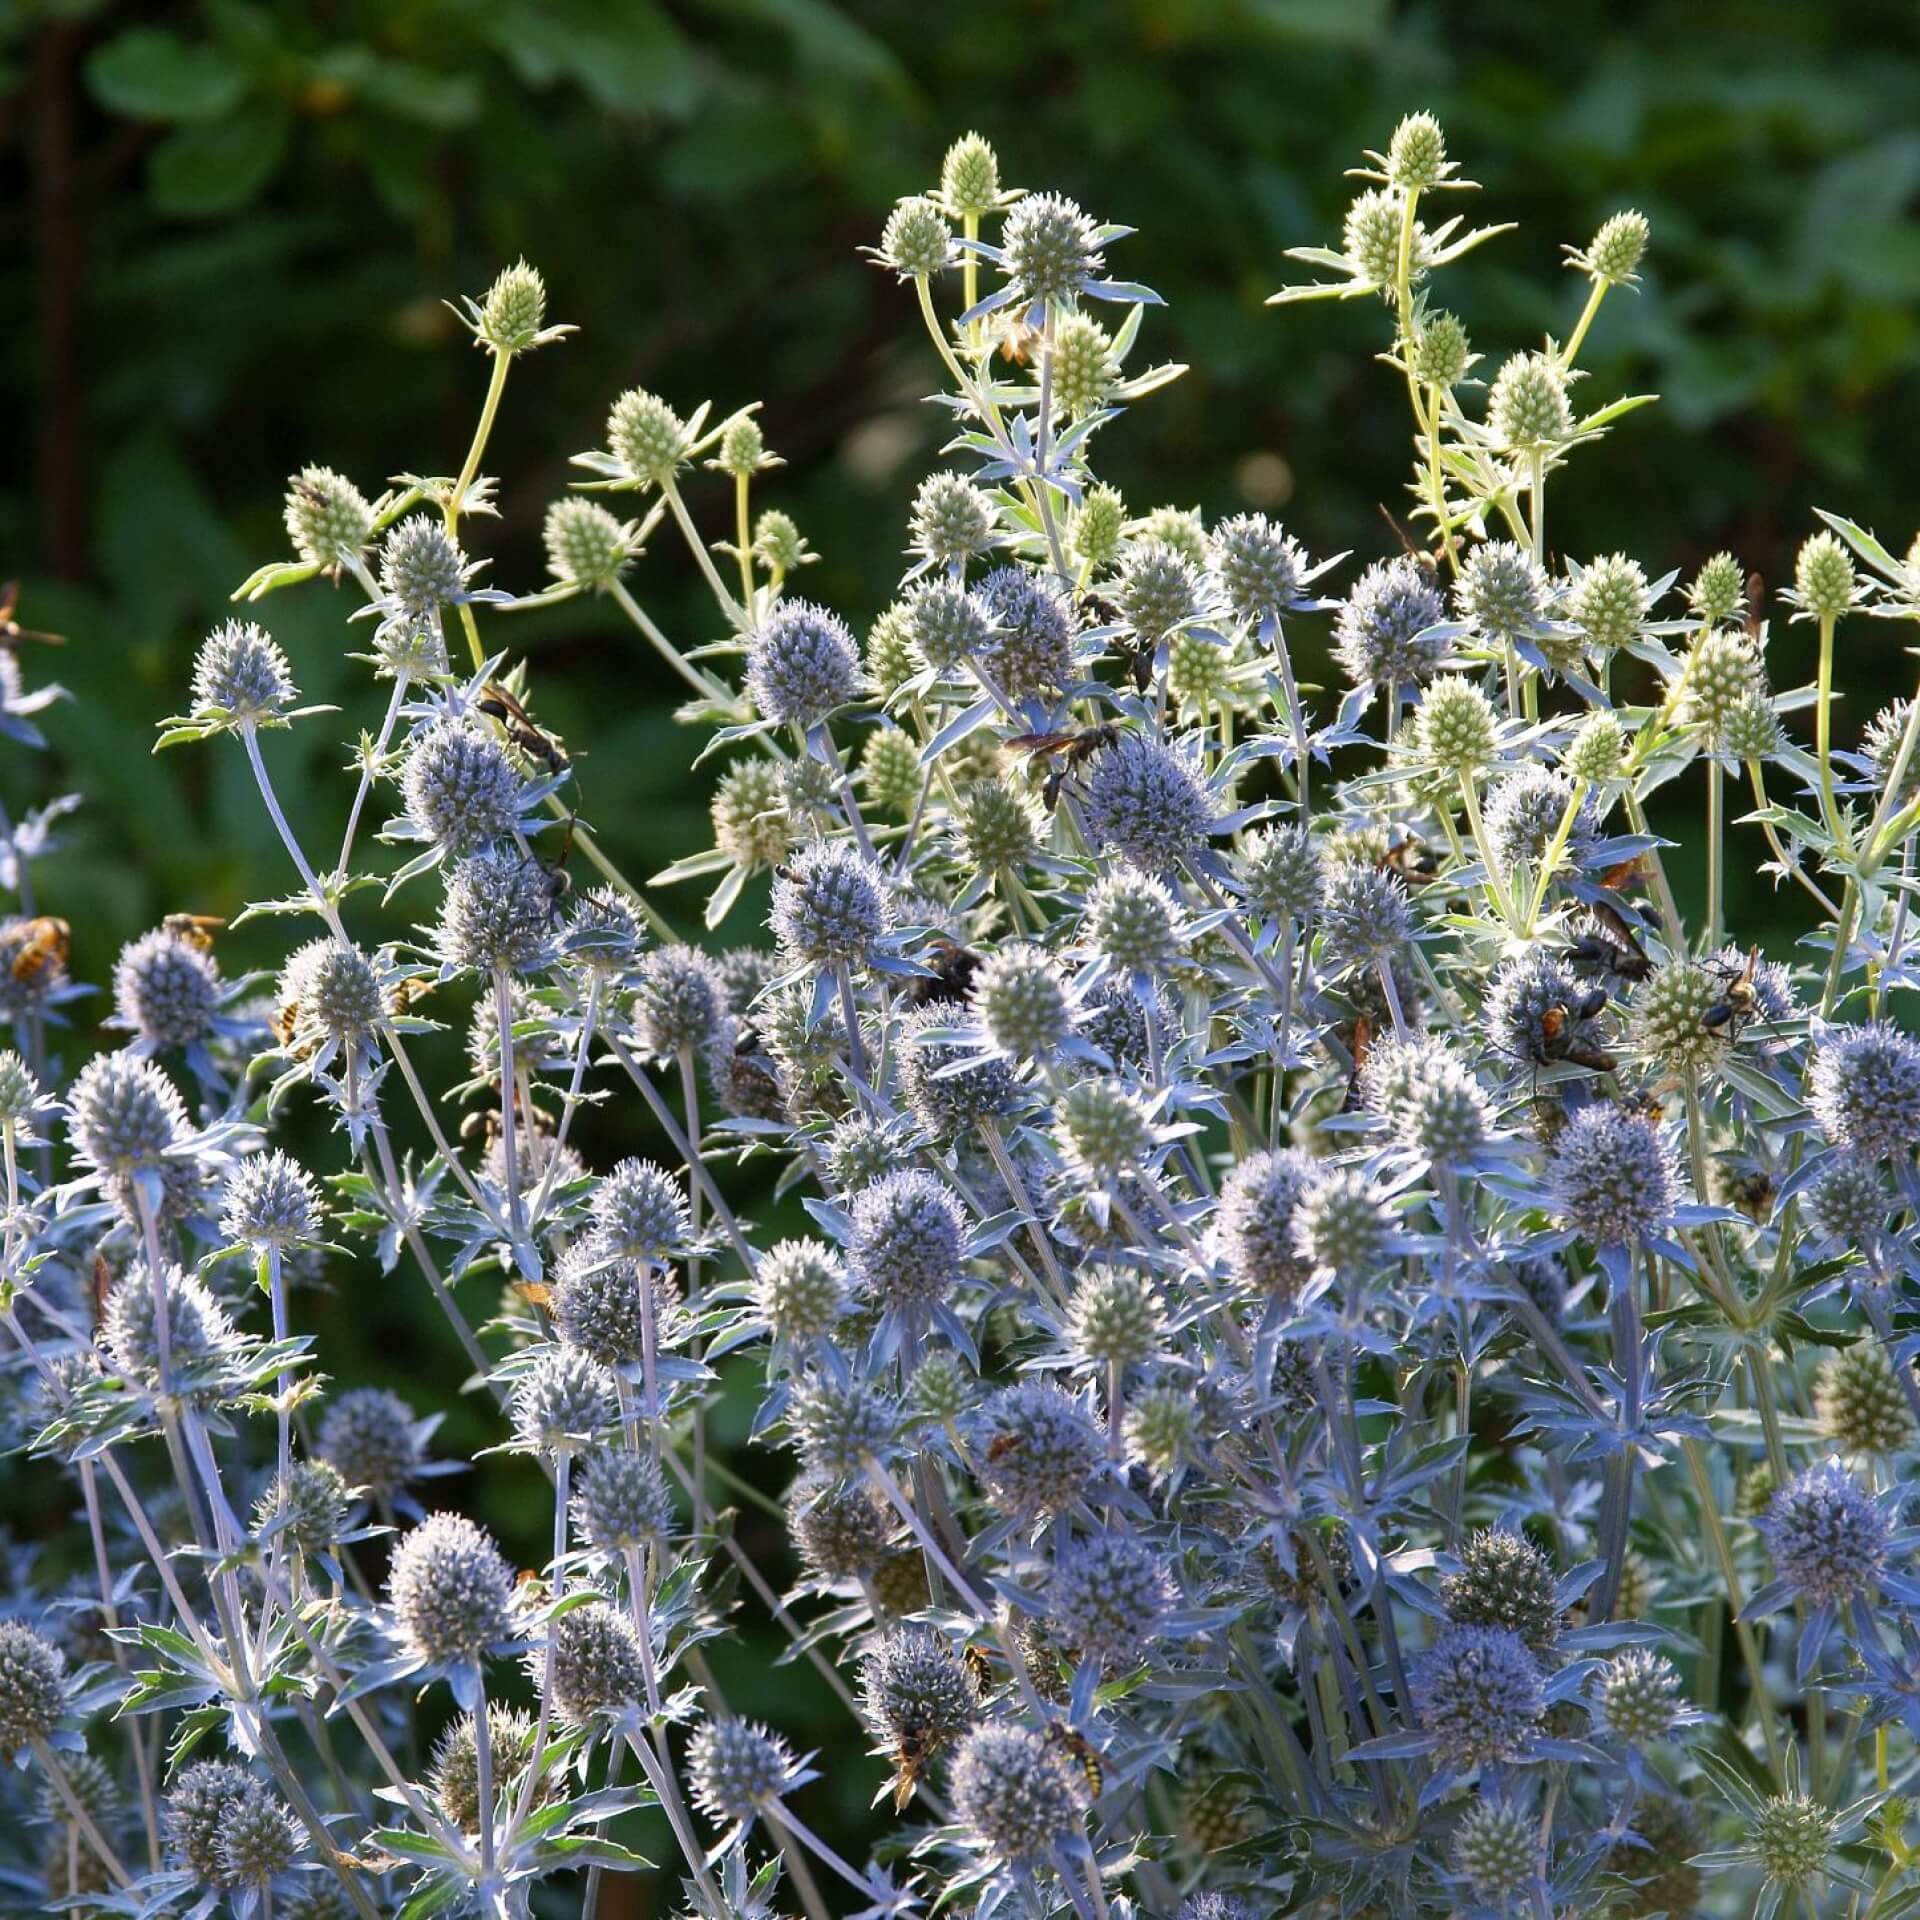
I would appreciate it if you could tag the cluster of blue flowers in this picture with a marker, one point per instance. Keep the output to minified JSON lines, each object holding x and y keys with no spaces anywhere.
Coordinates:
{"x":1345,"y":1350}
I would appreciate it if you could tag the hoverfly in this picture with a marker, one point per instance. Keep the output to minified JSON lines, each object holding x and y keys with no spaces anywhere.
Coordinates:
{"x":196,"y":929}
{"x":1079,"y":1750}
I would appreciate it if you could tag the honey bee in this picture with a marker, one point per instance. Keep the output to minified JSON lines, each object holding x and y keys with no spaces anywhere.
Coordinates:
{"x":12,"y":633}
{"x":1412,"y":860}
{"x":409,"y":993}
{"x":1018,"y":342}
{"x":1001,"y":1445}
{"x":952,"y":977}
{"x":1079,"y":1749}
{"x":196,"y":929}
{"x":501,"y":704}
{"x":45,"y":946}
{"x":911,"y":1752}
{"x":1063,"y":753}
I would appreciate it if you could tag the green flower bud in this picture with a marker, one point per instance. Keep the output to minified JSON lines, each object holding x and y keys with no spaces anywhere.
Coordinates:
{"x":511,"y":314}
{"x":586,"y":545}
{"x":1454,"y":726}
{"x":1617,"y":249}
{"x":1098,"y":527}
{"x":1442,"y":352}
{"x":917,"y":241}
{"x":743,"y":448}
{"x":1417,"y":155}
{"x":1595,"y":752}
{"x":1084,"y":369}
{"x":777,"y":543}
{"x":970,"y":177}
{"x":647,"y":437}
{"x":1528,"y":409}
{"x":1718,"y":593}
{"x":890,"y":769}
{"x":1824,"y":578}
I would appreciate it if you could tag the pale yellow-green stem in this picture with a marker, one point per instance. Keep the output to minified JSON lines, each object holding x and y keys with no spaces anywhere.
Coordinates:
{"x":970,"y":266}
{"x":1756,"y":776}
{"x":450,"y":515}
{"x":1716,"y":855}
{"x":742,"y":487}
{"x":1496,"y":883}
{"x":938,"y":332}
{"x":1550,"y":860}
{"x":1823,"y":742}
{"x":1579,"y":332}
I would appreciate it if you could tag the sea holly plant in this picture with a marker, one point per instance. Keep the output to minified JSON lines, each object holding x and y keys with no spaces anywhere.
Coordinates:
{"x":1336,"y":1343}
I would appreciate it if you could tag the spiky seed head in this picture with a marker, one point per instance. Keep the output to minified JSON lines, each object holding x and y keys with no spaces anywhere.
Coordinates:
{"x":373,"y":1438}
{"x":1157,"y":590}
{"x":1722,"y":676}
{"x":1036,"y":1449}
{"x":1503,"y":590}
{"x":598,"y":1666}
{"x":952,"y":520}
{"x":315,"y":1500}
{"x":1523,"y":814}
{"x":1615,"y":252}
{"x":620,"y":1500}
{"x":1612,"y":1176}
{"x":1717,"y":593}
{"x":1378,"y":629}
{"x":1133,"y":923}
{"x":1528,"y":408}
{"x":1609,"y":601}
{"x":1115,"y":1319}
{"x":801,"y":664}
{"x":241,"y":675}
{"x":908,"y":1240}
{"x":563,"y":1401}
{"x":1595,"y":752}
{"x":830,"y":906}
{"x":198,"y":1803}
{"x":33,"y":1691}
{"x":1050,"y":249}
{"x":166,"y":989}
{"x":942,"y":1387}
{"x":890,"y":770}
{"x":271,"y":1203}
{"x":970,"y":176}
{"x":1149,"y":804}
{"x":1417,"y":153}
{"x":1827,"y":1534}
{"x":1255,"y":1225}
{"x":1479,"y":1693}
{"x":639,"y":1211}
{"x":1442,"y":353}
{"x":889,"y":655}
{"x":1108,"y":1597}
{"x":258,"y":1838}
{"x":944,"y":623}
{"x":1370,"y":239}
{"x":514,"y":310}
{"x":1864,"y":1089}
{"x":586,"y":546}
{"x":19,"y":1093}
{"x":647,"y":437}
{"x":751,"y":824}
{"x":839,"y":1425}
{"x":1881,"y":743}
{"x":839,"y":1530}
{"x":917,"y":1694}
{"x":1454,"y":726}
{"x":1344,"y":1224}
{"x":197,"y":1325}
{"x":421,"y":566}
{"x":330,"y":992}
{"x":1282,"y":873}
{"x":1823,"y":576}
{"x":1097,"y":527}
{"x":1859,"y":1401}
{"x":1496,"y":1849}
{"x":1020,"y":998}
{"x":1848,"y":1202}
{"x":1504,"y":1580}
{"x":917,"y":241}
{"x":736,"y":1769}
{"x":679,"y":1002}
{"x":454,"y":1774}
{"x":1103,"y":1127}
{"x":1792,"y":1838}
{"x":1637,"y":1697}
{"x":497,"y":914}
{"x":998,"y":825}
{"x":1668,"y":1021}
{"x":779,"y":545}
{"x":1366,"y":919}
{"x":1084,"y":366}
{"x":450,"y":1589}
{"x":461,"y":786}
{"x":800,"y":1287}
{"x":1162,"y":1427}
{"x":1029,"y":651}
{"x":1258,"y":565}
{"x":328,"y":518}
{"x":1016,"y":1790}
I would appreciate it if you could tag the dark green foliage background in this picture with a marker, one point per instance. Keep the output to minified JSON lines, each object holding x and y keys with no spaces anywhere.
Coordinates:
{"x":229,"y":229}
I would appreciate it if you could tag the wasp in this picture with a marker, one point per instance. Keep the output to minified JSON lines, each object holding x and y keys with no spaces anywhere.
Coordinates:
{"x":196,"y":929}
{"x":1739,"y":1004}
{"x":12,"y":633}
{"x":980,"y":1667}
{"x":45,"y":945}
{"x":1611,"y":947}
{"x":1079,"y":1749}
{"x":911,"y":1752}
{"x":502,"y":705}
{"x":1064,"y":752}
{"x":559,"y":882}
{"x":954,"y":967}
{"x":408,"y":993}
